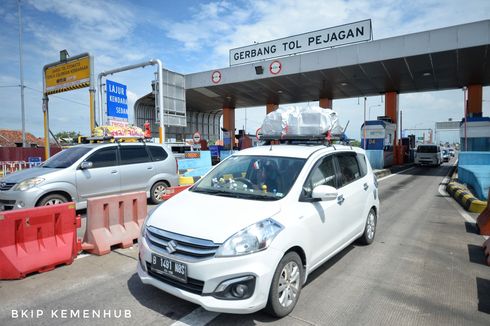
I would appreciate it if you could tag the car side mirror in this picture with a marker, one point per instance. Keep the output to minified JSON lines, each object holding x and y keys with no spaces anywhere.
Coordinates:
{"x":324,"y":192}
{"x":86,"y":165}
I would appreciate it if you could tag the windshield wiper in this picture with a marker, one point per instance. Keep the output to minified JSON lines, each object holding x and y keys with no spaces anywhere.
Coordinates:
{"x":216,"y":192}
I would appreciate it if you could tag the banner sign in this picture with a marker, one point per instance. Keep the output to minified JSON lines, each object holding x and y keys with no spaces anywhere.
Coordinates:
{"x":325,"y":38}
{"x":67,"y":76}
{"x":117,"y":100}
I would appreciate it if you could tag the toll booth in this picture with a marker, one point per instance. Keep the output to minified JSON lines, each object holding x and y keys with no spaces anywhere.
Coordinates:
{"x":380,"y":135}
{"x":477,"y":131}
{"x":409,"y":147}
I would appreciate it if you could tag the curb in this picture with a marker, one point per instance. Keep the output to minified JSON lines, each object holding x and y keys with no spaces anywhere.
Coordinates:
{"x":466,"y":199}
{"x":381,"y":173}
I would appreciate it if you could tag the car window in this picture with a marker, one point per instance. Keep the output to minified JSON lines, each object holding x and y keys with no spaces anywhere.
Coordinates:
{"x":66,"y":157}
{"x":323,"y":173}
{"x":104,"y":157}
{"x":133,"y":155}
{"x":427,"y":149}
{"x":361,"y":160}
{"x":349,"y":168}
{"x":157,"y":153}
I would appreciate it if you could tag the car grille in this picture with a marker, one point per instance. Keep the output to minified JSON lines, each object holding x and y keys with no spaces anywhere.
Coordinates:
{"x":186,"y":248}
{"x":4,"y":186}
{"x":192,"y":285}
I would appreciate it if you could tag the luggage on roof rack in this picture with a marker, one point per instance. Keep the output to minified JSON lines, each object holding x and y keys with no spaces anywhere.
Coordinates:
{"x":310,"y":123}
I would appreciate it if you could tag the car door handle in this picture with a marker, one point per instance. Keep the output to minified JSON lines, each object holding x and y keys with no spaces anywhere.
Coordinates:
{"x":150,"y":168}
{"x":340,"y":199}
{"x":366,"y":186}
{"x":114,"y":171}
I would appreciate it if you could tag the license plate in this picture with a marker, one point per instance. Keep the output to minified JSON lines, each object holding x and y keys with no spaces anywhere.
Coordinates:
{"x":169,"y":267}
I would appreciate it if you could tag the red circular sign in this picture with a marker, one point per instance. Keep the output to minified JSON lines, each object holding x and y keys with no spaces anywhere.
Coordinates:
{"x":216,"y":76}
{"x":275,"y":67}
{"x":258,"y":133}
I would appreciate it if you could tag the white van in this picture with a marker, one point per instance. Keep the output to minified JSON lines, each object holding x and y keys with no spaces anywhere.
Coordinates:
{"x":428,"y":154}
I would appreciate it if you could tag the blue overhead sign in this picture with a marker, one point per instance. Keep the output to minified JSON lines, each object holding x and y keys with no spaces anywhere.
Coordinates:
{"x":117,"y":100}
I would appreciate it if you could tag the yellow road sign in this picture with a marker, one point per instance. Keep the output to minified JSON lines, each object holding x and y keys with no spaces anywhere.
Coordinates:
{"x":67,"y":76}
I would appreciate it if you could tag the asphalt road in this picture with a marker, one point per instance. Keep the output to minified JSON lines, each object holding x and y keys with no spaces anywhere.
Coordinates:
{"x":425,"y":267}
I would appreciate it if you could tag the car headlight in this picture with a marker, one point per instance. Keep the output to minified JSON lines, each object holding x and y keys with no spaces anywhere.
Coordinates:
{"x":143,"y":226}
{"x":253,"y":238}
{"x":27,"y":184}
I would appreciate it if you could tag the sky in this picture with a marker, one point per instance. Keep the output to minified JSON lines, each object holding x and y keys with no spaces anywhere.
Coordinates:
{"x":191,"y":36}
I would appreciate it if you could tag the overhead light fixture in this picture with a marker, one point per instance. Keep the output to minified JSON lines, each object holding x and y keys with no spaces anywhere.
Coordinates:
{"x":259,"y":70}
{"x":279,"y":92}
{"x":343,"y":84}
{"x":426,"y":74}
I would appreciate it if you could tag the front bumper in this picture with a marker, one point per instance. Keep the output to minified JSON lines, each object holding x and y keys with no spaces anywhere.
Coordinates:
{"x":11,"y":199}
{"x":212,"y":272}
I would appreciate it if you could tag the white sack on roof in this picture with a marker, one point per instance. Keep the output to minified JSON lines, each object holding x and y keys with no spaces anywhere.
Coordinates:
{"x":301,"y":121}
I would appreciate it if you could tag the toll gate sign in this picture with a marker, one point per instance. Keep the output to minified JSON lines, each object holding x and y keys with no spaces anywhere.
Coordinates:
{"x":117,"y":100}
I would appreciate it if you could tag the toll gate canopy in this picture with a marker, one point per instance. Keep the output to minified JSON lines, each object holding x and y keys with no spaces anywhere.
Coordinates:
{"x":440,"y":59}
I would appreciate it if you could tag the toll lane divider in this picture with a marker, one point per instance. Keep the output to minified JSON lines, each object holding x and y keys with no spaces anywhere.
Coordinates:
{"x":483,"y":220}
{"x":37,"y":239}
{"x":172,"y":191}
{"x":114,"y":220}
{"x":465,"y":198}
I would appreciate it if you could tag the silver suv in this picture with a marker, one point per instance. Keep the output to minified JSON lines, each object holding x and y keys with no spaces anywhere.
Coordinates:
{"x":92,"y":170}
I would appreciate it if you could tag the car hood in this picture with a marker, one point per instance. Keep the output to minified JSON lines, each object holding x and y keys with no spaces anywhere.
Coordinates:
{"x":19,"y":176}
{"x":210,"y":217}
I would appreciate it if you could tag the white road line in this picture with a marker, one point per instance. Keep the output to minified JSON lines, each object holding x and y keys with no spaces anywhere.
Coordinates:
{"x":82,"y":256}
{"x":198,"y":317}
{"x":391,"y":175}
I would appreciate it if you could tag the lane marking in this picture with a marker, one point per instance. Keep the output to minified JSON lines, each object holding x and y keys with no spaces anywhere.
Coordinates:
{"x":80,"y":256}
{"x":391,"y":175}
{"x":198,"y":317}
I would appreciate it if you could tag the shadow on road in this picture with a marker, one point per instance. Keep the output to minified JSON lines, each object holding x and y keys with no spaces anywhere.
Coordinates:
{"x":157,"y":300}
{"x":483,"y":288}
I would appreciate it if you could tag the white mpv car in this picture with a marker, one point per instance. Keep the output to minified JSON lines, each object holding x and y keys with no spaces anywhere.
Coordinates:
{"x":247,"y":235}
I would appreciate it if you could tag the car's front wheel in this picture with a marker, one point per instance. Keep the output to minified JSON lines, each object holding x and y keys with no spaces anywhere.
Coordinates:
{"x":369,"y":229}
{"x":286,"y":285}
{"x":53,"y":199}
{"x":157,"y":192}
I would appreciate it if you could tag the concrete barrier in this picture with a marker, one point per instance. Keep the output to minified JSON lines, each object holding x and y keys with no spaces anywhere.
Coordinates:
{"x":474,"y":170}
{"x":465,"y":198}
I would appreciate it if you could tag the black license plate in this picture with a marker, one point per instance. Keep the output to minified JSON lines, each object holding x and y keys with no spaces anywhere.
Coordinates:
{"x":169,"y":267}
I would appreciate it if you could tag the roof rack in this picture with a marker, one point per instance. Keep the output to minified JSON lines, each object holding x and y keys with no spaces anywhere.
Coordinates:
{"x":321,"y":139}
{"x":111,"y":139}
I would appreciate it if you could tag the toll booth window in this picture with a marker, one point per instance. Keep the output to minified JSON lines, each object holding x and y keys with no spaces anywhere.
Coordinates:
{"x":361,"y":160}
{"x":322,"y":174}
{"x":349,"y":169}
{"x":133,"y":155}
{"x":157,"y":153}
{"x":103,"y":158}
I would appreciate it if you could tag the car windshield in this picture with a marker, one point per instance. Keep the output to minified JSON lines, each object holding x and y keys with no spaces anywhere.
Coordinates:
{"x":66,"y":157}
{"x":252,"y":177}
{"x":427,"y":149}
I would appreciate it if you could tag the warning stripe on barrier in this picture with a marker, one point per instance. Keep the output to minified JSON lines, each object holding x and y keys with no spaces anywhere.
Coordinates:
{"x":465,"y":198}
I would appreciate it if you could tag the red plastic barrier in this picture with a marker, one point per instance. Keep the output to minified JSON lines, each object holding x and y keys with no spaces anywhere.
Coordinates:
{"x":172,"y":191}
{"x":114,"y":221}
{"x":37,"y":239}
{"x":483,"y":220}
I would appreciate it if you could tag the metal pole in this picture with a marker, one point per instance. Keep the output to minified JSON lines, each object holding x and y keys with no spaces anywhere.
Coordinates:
{"x":465,"y":118}
{"x":46,"y":126}
{"x":101,"y":102}
{"x":364,"y":131}
{"x":92,"y":95}
{"x":22,"y":106}
{"x":160,"y":100}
